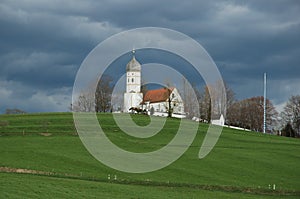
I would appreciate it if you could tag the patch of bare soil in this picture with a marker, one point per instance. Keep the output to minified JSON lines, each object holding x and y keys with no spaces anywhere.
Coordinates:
{"x":16,"y":170}
{"x":45,"y":134}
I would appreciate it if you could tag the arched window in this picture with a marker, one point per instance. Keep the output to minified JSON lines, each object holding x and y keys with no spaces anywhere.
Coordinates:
{"x":132,"y":80}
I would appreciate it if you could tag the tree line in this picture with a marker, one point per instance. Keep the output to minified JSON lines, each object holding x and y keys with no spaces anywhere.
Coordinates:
{"x":246,"y":113}
{"x":14,"y":111}
{"x":249,"y":113}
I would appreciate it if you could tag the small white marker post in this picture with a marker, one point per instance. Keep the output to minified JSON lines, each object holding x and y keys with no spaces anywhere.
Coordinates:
{"x":108,"y":177}
{"x":274,"y":186}
{"x":115,"y":177}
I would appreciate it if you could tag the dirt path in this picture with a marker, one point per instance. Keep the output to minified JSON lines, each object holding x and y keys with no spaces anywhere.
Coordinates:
{"x":15,"y":170}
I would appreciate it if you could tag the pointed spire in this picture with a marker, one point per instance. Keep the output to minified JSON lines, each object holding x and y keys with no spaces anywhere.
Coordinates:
{"x":133,"y":53}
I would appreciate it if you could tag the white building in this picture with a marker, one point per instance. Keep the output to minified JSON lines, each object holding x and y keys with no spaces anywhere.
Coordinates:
{"x":155,"y":102}
{"x":133,"y":96}
{"x":219,"y":122}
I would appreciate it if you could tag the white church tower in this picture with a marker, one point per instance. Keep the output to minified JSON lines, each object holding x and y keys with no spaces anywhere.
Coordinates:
{"x":133,"y":96}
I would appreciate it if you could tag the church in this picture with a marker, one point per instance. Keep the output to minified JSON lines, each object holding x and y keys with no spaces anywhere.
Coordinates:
{"x":154,"y":102}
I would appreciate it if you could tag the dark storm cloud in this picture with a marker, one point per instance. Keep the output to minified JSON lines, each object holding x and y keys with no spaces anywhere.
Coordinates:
{"x":44,"y":42}
{"x":38,"y":69}
{"x":257,"y":36}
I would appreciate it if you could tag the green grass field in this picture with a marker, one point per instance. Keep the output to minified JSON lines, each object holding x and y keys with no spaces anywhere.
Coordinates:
{"x":242,"y":164}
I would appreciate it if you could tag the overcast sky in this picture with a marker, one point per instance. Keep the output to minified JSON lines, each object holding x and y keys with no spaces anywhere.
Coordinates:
{"x":43,"y":43}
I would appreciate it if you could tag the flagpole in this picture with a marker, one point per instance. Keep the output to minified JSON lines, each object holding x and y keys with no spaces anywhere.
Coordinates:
{"x":265,"y":100}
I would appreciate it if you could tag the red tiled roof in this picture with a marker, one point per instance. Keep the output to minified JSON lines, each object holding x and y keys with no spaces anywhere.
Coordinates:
{"x":158,"y":95}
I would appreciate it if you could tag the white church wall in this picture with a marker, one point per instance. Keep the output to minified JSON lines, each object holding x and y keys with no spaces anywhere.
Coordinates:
{"x":132,"y":100}
{"x":133,"y":82}
{"x":159,"y":107}
{"x":177,"y":100}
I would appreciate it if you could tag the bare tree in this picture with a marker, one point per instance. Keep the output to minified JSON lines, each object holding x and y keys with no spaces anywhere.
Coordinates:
{"x":191,"y":98}
{"x":222,"y":96}
{"x":249,"y":114}
{"x":84,"y":102}
{"x":103,"y":94}
{"x":169,"y":97}
{"x":117,"y":101}
{"x":291,"y":113}
{"x":234,"y":114}
{"x":99,"y":101}
{"x":205,"y":105}
{"x":215,"y":99}
{"x":230,"y":96}
{"x":169,"y":101}
{"x":144,"y":88}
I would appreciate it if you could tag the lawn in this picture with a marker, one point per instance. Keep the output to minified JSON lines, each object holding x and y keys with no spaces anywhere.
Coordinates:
{"x":242,"y":165}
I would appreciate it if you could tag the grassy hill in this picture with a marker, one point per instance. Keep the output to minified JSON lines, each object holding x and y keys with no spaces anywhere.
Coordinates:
{"x":47,"y":148}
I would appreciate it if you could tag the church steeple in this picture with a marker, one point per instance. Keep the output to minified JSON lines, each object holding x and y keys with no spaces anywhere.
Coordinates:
{"x":133,"y":75}
{"x":133,"y":65}
{"x":133,"y":96}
